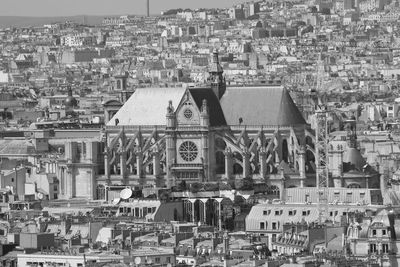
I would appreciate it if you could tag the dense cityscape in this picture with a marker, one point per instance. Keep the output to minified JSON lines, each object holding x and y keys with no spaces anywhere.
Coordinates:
{"x":266,"y":133}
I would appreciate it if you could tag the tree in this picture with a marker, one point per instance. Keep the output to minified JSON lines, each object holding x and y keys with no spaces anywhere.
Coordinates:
{"x":196,"y":187}
{"x":182,"y":186}
{"x":247,"y":184}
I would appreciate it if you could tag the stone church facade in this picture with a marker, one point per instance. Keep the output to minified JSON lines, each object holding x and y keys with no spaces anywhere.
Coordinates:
{"x":162,"y":136}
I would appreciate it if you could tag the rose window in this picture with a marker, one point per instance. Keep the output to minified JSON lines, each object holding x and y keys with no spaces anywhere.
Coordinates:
{"x":188,"y":151}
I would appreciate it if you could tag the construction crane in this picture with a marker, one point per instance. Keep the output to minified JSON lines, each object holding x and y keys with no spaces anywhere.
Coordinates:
{"x":321,"y":145}
{"x":321,"y":159}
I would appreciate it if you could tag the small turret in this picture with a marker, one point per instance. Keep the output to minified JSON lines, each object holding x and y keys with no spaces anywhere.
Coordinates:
{"x":70,"y":100}
{"x":171,"y":118}
{"x":226,"y":244}
{"x":351,"y":129}
{"x":218,"y":84}
{"x":204,"y":115}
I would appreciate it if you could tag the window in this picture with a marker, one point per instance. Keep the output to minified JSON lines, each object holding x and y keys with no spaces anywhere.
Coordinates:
{"x":277,"y":212}
{"x":273,"y":237}
{"x":157,"y":260}
{"x":304,"y":213}
{"x":262,"y":225}
{"x":188,"y":151}
{"x":385,"y":248}
{"x":349,"y":197}
{"x":383,"y":232}
{"x":168,"y":259}
{"x":274,"y":226}
{"x":372,"y":248}
{"x":374,"y":232}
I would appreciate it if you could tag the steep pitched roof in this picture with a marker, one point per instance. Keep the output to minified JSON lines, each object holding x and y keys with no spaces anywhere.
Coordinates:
{"x":216,"y":114}
{"x":260,"y":106}
{"x":148,"y":106}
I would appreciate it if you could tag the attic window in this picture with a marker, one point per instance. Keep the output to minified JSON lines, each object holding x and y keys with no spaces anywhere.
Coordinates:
{"x":306,"y":212}
{"x":266,"y":212}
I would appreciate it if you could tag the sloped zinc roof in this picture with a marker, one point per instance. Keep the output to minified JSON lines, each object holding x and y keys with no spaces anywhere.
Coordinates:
{"x":214,"y":108}
{"x":148,"y":106}
{"x":260,"y":106}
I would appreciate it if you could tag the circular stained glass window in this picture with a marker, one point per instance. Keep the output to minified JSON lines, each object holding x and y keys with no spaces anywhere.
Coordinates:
{"x":188,"y":114}
{"x":188,"y":151}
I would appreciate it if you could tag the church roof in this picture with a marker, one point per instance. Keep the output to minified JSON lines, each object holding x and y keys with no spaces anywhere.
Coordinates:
{"x":260,"y":106}
{"x":354,"y":158}
{"x":148,"y":106}
{"x":216,"y":114}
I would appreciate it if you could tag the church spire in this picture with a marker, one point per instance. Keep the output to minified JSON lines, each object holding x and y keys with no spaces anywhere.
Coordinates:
{"x":217,"y":79}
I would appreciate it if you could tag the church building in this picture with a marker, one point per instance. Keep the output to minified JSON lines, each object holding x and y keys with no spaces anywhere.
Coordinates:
{"x":163,"y":136}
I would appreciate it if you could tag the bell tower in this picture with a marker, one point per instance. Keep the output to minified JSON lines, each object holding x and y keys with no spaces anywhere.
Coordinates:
{"x":218,"y":83}
{"x":351,"y":132}
{"x":121,"y":86}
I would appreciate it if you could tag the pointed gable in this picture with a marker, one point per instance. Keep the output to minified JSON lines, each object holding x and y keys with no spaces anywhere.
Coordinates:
{"x":187,"y":113}
{"x":260,"y":106}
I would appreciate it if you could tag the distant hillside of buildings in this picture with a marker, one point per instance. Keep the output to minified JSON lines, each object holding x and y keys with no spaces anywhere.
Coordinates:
{"x":21,"y":21}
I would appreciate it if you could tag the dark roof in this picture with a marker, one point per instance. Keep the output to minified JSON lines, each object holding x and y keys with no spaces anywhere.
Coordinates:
{"x":353,"y":157}
{"x":217,"y":117}
{"x":260,"y":106}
